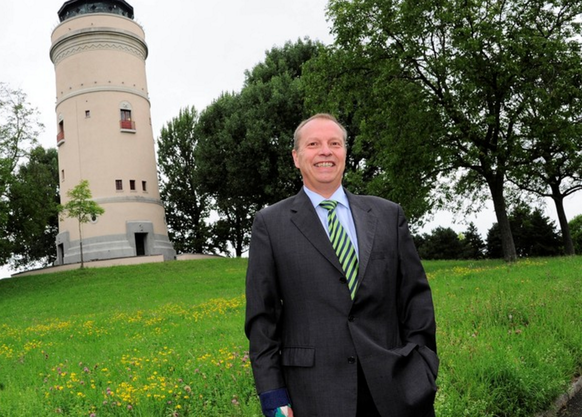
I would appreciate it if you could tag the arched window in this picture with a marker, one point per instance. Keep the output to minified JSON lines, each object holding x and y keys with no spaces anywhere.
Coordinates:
{"x":126,"y":122}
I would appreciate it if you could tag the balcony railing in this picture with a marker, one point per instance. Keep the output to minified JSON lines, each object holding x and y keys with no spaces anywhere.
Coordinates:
{"x":60,"y":136}
{"x":127,"y":124}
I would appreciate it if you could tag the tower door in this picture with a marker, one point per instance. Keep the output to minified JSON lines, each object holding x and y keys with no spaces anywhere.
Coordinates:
{"x":140,"y":244}
{"x":60,"y":254}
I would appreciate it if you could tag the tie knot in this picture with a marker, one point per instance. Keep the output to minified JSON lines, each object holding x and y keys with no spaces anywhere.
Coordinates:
{"x":329,"y":205}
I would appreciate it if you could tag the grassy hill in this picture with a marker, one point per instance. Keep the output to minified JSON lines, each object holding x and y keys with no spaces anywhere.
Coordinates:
{"x":167,"y":340}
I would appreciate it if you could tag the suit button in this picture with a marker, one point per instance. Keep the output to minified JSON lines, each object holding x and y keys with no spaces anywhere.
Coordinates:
{"x":352,"y":360}
{"x":350,"y":318}
{"x":343,"y":280}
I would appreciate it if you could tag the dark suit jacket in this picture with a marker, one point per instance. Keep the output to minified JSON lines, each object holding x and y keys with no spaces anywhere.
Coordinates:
{"x":307,"y":334}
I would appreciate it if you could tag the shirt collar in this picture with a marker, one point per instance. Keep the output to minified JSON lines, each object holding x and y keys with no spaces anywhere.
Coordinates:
{"x":339,"y":195}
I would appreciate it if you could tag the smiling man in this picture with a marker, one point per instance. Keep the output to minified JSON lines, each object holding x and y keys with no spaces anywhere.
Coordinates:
{"x":339,"y":312}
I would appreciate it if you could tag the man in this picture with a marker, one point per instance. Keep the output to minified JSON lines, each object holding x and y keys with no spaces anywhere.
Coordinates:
{"x":337,"y":335}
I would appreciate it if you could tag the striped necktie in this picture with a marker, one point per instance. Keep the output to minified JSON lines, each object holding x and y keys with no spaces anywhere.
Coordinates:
{"x":342,"y":245}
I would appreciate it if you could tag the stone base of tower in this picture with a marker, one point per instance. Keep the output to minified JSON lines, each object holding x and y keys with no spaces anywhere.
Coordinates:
{"x":139,"y":240}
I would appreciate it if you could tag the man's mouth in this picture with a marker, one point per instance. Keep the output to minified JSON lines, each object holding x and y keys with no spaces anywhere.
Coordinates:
{"x":324,"y":164}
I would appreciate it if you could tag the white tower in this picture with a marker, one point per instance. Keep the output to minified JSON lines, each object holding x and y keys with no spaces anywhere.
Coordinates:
{"x":105,"y":134}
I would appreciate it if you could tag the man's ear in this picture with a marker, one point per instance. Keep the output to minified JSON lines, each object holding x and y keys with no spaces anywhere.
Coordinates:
{"x":294,"y":153}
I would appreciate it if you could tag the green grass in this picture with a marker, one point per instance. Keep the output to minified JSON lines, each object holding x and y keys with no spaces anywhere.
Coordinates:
{"x":167,"y":339}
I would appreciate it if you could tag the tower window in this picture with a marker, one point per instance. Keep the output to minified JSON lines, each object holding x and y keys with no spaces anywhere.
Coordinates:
{"x":126,"y":121}
{"x":132,"y":185}
{"x":61,"y":131}
{"x":144,"y":186}
{"x":119,"y":185}
{"x":62,"y":175}
{"x":87,"y":114}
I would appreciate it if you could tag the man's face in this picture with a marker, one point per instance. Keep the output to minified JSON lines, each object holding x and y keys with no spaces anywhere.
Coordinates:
{"x":321,"y":156}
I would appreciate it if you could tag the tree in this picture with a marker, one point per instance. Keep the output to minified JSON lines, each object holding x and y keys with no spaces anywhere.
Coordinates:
{"x":33,"y":219}
{"x":272,"y":101}
{"x":555,"y":163}
{"x":474,"y":66}
{"x":227,"y":170}
{"x":534,"y":233}
{"x":474,"y":247}
{"x":441,"y":243}
{"x":19,"y":128}
{"x":576,"y":230}
{"x":552,"y":150}
{"x":81,"y":207}
{"x":245,"y":141}
{"x":395,"y":163}
{"x":187,"y":207}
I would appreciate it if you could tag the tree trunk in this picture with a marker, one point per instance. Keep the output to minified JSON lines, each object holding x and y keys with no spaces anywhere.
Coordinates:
{"x":564,"y":226}
{"x":239,"y":236}
{"x":507,"y":244}
{"x":81,"y":246}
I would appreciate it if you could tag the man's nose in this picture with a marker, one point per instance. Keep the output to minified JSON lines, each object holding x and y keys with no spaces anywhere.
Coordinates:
{"x":325,"y":149}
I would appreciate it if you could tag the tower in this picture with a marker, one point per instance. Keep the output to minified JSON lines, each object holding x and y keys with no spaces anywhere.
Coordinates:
{"x":105,"y":134}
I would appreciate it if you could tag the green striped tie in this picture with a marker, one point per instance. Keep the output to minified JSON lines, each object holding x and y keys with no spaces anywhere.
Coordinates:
{"x":343,"y":246}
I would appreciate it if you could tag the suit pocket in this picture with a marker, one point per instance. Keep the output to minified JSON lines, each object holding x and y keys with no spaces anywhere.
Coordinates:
{"x":298,"y":356}
{"x":414,"y":377}
{"x":431,"y":359}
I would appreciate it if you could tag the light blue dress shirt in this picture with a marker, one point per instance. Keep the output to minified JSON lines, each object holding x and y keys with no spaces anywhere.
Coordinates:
{"x":343,"y":212}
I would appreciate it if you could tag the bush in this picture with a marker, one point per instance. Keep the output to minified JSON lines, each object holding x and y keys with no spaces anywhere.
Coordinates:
{"x":576,"y":233}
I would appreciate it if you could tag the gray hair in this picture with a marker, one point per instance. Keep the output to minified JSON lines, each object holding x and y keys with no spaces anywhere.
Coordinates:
{"x":326,"y":116}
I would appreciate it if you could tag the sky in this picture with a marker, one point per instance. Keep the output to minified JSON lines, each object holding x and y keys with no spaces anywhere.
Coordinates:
{"x":197,"y":50}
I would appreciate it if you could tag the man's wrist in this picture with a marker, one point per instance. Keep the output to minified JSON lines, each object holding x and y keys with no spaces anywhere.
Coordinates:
{"x":273,"y":399}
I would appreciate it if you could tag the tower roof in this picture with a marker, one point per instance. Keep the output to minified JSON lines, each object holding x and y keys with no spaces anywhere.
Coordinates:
{"x":73,"y":8}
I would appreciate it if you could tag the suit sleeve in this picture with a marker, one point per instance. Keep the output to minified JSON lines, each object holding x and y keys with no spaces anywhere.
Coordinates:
{"x":416,"y":311}
{"x":263,"y":310}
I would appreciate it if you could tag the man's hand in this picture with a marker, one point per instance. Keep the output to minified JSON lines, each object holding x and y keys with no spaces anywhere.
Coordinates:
{"x":284,"y":412}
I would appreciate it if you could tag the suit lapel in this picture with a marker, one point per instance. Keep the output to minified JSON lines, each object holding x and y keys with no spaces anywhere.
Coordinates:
{"x":365,"y":221}
{"x":305,"y":218}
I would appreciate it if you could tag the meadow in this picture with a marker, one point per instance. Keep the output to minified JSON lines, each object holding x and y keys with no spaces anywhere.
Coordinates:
{"x":167,"y":340}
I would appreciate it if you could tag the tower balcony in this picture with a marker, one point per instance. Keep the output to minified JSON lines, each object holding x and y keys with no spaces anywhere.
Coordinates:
{"x":127,"y":124}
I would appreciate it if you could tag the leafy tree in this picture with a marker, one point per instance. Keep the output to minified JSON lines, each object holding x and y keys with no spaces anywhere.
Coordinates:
{"x":441,"y":243}
{"x":390,"y":151}
{"x":33,"y":219}
{"x":272,"y":101}
{"x":534,"y":233}
{"x":187,"y":207}
{"x":555,"y":164}
{"x":474,"y":67}
{"x":19,"y":128}
{"x":227,"y":170}
{"x":552,"y":149}
{"x":81,"y":207}
{"x":246,"y":138}
{"x":576,"y":230}
{"x":474,"y":247}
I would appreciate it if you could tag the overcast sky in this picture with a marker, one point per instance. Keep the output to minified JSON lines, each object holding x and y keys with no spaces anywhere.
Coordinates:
{"x":197,"y":50}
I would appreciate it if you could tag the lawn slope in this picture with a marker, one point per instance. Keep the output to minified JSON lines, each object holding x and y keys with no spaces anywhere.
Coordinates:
{"x":167,"y":340}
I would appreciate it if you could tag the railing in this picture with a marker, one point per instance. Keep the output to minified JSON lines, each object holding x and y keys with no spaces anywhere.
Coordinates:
{"x":60,"y":136}
{"x":127,"y":124}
